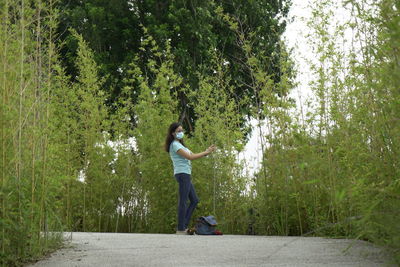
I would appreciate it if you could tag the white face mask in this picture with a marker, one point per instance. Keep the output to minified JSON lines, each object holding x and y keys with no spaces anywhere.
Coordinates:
{"x":179,"y":135}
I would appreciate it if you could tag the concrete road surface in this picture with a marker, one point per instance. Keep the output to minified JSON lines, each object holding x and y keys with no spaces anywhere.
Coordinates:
{"x":111,"y":249}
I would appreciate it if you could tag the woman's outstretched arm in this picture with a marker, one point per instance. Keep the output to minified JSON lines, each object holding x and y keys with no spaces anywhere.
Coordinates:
{"x":189,"y":156}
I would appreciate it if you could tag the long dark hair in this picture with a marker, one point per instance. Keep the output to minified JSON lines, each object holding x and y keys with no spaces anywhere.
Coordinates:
{"x":170,"y":138}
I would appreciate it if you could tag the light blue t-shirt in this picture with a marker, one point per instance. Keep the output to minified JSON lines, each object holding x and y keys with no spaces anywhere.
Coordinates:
{"x":181,"y":165}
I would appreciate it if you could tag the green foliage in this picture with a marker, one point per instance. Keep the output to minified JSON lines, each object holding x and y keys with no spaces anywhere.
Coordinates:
{"x":336,"y":172}
{"x":218,"y":179}
{"x":113,"y":30}
{"x":29,"y":221}
{"x":155,"y":110}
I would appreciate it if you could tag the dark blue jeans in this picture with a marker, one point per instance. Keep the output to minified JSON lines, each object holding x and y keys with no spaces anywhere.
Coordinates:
{"x":186,"y":191}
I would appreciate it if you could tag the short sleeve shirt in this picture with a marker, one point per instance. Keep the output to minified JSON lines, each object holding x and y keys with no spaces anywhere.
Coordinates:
{"x":181,"y":165}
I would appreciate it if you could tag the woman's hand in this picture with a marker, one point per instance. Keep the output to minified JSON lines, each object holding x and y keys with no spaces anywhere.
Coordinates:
{"x":210,"y":149}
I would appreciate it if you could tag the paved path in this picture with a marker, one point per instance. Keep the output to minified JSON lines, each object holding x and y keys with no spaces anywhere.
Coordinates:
{"x":110,"y":249}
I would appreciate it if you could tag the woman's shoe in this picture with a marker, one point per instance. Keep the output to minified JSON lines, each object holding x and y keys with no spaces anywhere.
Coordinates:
{"x":184,"y":232}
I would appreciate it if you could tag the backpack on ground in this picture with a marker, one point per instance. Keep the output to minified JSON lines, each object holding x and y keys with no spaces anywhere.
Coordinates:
{"x":206,"y":226}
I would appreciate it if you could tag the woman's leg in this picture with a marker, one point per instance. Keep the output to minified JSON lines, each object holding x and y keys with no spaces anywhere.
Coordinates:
{"x":193,"y":203}
{"x":186,"y":191}
{"x":183,"y":180}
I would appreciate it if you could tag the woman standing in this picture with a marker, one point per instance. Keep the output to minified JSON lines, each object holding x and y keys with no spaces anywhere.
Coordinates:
{"x":181,"y":157}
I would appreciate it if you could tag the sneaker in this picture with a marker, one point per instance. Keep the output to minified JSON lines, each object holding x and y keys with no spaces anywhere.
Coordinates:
{"x":184,"y":232}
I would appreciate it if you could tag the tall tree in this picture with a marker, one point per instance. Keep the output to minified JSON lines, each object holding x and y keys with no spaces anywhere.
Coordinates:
{"x":112,"y":29}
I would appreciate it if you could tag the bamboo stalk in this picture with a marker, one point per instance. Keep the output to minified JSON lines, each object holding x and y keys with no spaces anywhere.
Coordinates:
{"x":45,"y":137}
{"x":20,"y":104}
{"x":3,"y":135}
{"x":69,"y":181}
{"x":35,"y":113}
{"x":84,"y":206}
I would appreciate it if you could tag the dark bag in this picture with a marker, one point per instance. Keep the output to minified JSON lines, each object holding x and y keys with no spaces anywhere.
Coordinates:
{"x":206,"y":226}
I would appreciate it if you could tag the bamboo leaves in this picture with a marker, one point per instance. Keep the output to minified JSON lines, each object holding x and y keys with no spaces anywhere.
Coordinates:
{"x":156,"y":109}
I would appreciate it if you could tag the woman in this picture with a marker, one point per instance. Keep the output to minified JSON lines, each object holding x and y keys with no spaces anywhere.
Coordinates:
{"x":181,"y":157}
